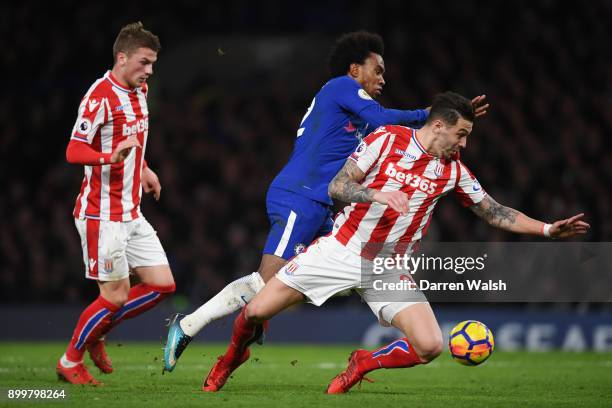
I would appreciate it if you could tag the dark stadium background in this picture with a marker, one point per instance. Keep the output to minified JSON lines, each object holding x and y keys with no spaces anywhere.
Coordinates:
{"x":233,"y":81}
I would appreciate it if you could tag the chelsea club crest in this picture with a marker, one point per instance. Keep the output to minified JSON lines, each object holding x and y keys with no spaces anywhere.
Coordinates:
{"x":299,"y":248}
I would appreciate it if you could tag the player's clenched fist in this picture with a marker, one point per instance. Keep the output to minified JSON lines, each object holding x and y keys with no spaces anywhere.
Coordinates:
{"x":397,"y":200}
{"x":123,"y":149}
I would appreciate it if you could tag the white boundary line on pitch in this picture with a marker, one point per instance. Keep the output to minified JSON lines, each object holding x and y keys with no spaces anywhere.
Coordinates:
{"x":322,"y":366}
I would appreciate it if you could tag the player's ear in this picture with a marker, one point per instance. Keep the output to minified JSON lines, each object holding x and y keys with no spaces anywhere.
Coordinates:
{"x":354,"y":70}
{"x":438,"y":125}
{"x":121,"y":58}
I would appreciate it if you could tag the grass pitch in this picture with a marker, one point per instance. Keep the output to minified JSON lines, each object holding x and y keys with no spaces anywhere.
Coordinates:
{"x":297,"y":375}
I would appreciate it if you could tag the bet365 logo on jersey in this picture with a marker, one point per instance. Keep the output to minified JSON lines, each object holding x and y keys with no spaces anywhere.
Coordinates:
{"x":411,"y":180}
{"x":136,"y":126}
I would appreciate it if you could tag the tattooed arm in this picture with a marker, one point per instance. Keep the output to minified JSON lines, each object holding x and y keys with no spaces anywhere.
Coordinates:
{"x":346,"y":187}
{"x":512,"y":220}
{"x":498,"y":215}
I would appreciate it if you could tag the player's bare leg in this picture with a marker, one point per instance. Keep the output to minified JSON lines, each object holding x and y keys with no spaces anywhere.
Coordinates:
{"x":271,"y":300}
{"x":419,"y":325}
{"x":231,"y":298}
{"x":248,"y":326}
{"x":115,"y":292}
{"x":423,"y":343}
{"x":159,"y":275}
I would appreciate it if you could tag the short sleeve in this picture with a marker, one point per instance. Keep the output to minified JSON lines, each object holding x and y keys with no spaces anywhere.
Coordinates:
{"x":91,"y":115}
{"x":370,"y":149}
{"x":467,"y":189}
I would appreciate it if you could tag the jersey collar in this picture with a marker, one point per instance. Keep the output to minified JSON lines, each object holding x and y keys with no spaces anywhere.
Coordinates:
{"x":109,"y":75}
{"x":419,"y":145}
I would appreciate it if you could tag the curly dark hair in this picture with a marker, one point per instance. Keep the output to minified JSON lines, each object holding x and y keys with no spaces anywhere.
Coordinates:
{"x":449,"y":107}
{"x":353,"y":48}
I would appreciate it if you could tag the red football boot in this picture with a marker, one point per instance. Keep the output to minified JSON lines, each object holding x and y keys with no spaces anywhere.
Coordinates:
{"x":349,"y":377}
{"x":98,"y":355}
{"x":76,"y":375}
{"x":218,"y":375}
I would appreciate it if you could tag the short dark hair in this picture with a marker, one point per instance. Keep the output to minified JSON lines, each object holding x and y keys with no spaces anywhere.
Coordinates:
{"x":353,"y":48}
{"x":449,"y":107}
{"x":133,"y":36}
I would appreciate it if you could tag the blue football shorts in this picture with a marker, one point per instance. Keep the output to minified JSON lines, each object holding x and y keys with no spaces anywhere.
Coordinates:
{"x":295,"y":221}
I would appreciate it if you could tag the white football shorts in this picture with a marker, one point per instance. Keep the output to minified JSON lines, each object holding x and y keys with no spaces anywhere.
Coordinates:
{"x":327,"y":268}
{"x":112,"y":248}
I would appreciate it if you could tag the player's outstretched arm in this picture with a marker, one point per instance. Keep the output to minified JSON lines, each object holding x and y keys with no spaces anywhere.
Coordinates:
{"x":509,"y":219}
{"x":346,"y":187}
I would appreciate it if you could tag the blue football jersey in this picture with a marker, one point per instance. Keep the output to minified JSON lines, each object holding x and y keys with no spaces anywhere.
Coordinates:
{"x":340,"y":115}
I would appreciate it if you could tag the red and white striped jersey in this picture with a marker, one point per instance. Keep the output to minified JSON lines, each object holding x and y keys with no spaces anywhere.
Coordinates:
{"x":393,"y":159}
{"x":108,"y":114}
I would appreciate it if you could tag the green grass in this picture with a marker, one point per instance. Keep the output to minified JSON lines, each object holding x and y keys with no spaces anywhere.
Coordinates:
{"x":296,"y":376}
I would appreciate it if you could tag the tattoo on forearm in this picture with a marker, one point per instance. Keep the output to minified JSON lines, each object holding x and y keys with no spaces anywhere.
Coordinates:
{"x":345,"y":186}
{"x":494,"y":213}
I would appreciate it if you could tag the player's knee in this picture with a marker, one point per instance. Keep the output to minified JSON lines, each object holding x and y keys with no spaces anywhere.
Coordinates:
{"x":117,"y":297}
{"x":156,"y":276}
{"x":254,"y":312}
{"x":429,"y":349}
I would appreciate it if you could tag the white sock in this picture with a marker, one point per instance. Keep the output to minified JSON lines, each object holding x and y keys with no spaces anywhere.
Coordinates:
{"x":231,"y":298}
{"x":67,"y":363}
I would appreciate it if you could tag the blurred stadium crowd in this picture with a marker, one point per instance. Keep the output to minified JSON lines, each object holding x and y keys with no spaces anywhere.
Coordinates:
{"x":217,"y":141}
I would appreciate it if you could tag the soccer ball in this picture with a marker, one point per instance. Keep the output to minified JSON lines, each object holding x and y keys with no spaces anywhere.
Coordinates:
{"x":471,"y":343}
